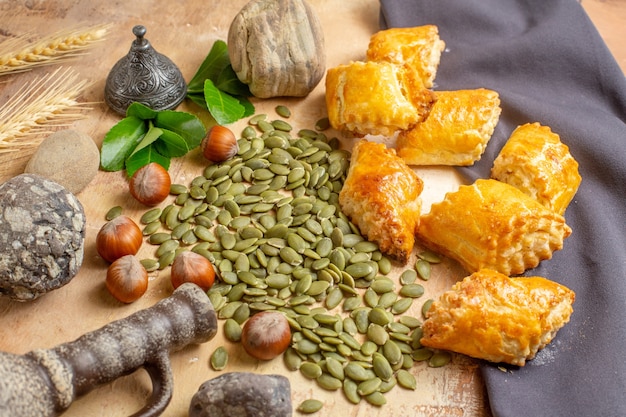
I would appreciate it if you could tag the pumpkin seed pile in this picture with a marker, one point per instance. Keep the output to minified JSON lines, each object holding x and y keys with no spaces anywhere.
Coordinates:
{"x":269,"y":220}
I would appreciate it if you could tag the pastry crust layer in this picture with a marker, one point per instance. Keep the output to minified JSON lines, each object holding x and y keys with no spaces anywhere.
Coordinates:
{"x":456,"y":131}
{"x":416,"y":48}
{"x":375,"y":98}
{"x":493,"y":317}
{"x":535,"y":161}
{"x":381,"y":196}
{"x":491,"y":224}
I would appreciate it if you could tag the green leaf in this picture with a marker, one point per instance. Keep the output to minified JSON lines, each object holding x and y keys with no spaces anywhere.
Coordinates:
{"x":152,"y":135}
{"x":249,"y":107}
{"x":224,"y":108}
{"x":171,"y":144}
{"x":228,"y":82}
{"x":186,"y":125}
{"x":141,"y":111}
{"x":144,"y":157}
{"x":198,"y":99}
{"x":120,"y":141}
{"x":210,"y":69}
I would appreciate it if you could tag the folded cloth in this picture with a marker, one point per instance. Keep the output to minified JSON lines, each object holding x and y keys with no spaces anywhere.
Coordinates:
{"x":550,"y":65}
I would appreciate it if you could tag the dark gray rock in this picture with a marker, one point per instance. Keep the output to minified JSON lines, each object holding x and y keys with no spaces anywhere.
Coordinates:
{"x":243,"y":394}
{"x":42,"y":234}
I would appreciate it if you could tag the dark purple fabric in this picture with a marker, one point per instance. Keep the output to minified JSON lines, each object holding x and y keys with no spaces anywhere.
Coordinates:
{"x":549,"y":65}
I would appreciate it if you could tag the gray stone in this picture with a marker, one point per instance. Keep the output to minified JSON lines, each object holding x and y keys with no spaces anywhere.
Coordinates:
{"x":68,"y":157}
{"x":243,"y":394}
{"x":42,"y":234}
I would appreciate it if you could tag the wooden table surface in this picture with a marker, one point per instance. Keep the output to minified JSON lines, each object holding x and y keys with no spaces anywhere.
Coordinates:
{"x":184,"y":31}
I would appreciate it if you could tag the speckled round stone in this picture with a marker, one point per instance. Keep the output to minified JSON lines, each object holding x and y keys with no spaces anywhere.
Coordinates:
{"x":243,"y":394}
{"x":42,"y":235}
{"x":68,"y":157}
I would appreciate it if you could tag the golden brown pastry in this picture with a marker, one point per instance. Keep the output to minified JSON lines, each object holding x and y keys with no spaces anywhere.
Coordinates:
{"x":381,"y":196}
{"x":456,"y":131}
{"x":490,"y":316}
{"x":491,"y":224}
{"x":375,"y":98}
{"x":535,"y":161}
{"x":417,"y":48}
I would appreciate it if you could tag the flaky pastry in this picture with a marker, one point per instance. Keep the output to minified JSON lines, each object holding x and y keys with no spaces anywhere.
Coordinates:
{"x":493,"y":317}
{"x":491,"y":224}
{"x":417,"y":48}
{"x":375,"y":98}
{"x":381,"y":196}
{"x":535,"y":161}
{"x":455,"y":132}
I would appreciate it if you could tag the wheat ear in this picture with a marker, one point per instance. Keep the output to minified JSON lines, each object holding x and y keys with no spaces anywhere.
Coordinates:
{"x":17,"y":54}
{"x":37,"y":107}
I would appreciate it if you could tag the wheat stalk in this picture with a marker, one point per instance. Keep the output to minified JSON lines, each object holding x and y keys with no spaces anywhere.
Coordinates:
{"x":17,"y":54}
{"x":37,"y":107}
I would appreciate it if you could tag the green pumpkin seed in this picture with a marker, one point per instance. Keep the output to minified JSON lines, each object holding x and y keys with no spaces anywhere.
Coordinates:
{"x":147,"y":218}
{"x":361,"y":319}
{"x":426,"y":307}
{"x":406,"y":379}
{"x":383,"y":285}
{"x":232,"y":330}
{"x":322,"y":124}
{"x":334,"y":297}
{"x":381,"y":366}
{"x":150,"y":264}
{"x":176,"y":189}
{"x":377,"y":334}
{"x":401,"y":306}
{"x":335,"y":368}
{"x":412,"y":290}
{"x":360,"y":270}
{"x":356,"y":372}
{"x":368,"y":387}
{"x":310,"y":406}
{"x":378,"y":316}
{"x":219,"y":359}
{"x":430,"y":257}
{"x":292,"y":360}
{"x":423,"y":269}
{"x":376,"y":398}
{"x":167,"y":246}
{"x":351,"y":303}
{"x":392,"y":352}
{"x":408,"y":277}
{"x":439,"y":359}
{"x":310,"y":370}
{"x":387,"y":300}
{"x":422,"y":354}
{"x":329,"y":382}
{"x":151,"y":228}
{"x":410,"y":321}
{"x":350,"y":391}
{"x":159,"y":238}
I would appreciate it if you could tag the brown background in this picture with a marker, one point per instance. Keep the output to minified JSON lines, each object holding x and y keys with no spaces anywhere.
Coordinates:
{"x":185,"y":31}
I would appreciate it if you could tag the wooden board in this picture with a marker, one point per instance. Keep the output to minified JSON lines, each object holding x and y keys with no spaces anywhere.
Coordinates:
{"x":185,"y":31}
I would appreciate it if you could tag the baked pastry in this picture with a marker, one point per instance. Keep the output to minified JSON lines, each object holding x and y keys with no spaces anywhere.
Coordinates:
{"x":375,"y":98}
{"x":417,"y":48}
{"x":456,"y":131}
{"x":535,"y":161}
{"x":381,"y":196}
{"x":491,"y":224}
{"x":493,"y":317}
